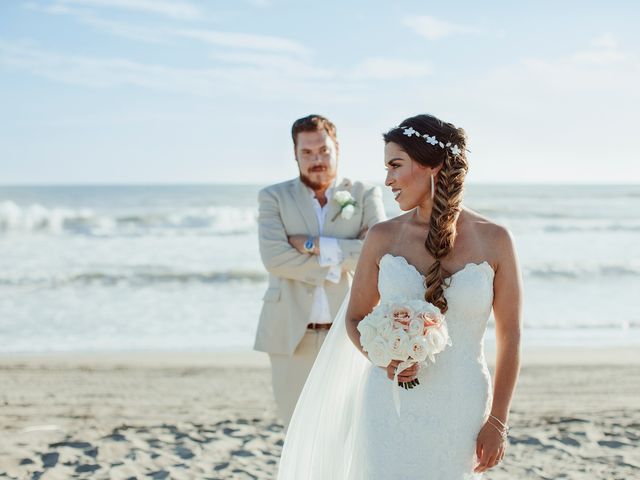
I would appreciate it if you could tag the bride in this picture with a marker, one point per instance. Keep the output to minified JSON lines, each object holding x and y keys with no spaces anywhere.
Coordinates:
{"x":451,"y":425}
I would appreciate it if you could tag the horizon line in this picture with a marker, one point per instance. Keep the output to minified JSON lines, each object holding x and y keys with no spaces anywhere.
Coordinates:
{"x":254,"y":184}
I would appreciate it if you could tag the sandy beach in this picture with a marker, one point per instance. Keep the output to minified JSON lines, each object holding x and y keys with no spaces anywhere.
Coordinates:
{"x":576,"y":415}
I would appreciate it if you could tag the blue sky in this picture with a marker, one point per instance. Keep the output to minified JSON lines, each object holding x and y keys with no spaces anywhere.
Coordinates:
{"x":163,"y":91}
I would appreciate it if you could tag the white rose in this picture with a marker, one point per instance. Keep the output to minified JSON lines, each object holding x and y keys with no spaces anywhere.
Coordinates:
{"x":385,"y":327}
{"x":376,"y":318}
{"x":367,"y":334}
{"x":342,"y":196}
{"x":401,"y":309}
{"x":437,"y":339}
{"x":424,"y":306}
{"x":378,"y":353}
{"x":398,"y":344}
{"x":368,"y":319}
{"x":418,"y":349}
{"x":347,"y":212}
{"x":416,"y":327}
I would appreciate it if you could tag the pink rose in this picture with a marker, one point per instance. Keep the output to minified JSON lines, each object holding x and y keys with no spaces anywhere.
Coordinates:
{"x":401,"y":317}
{"x":429,"y":319}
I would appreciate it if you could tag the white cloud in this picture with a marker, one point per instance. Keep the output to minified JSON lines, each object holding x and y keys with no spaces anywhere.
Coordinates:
{"x":240,"y":40}
{"x":125,"y":30}
{"x":117,"y":28}
{"x":288,"y":66}
{"x":606,"y":40}
{"x":260,"y":3}
{"x":597,"y":72}
{"x":248,"y":77}
{"x":605,"y":51}
{"x":179,"y":10}
{"x":433,"y":29}
{"x":170,"y":34}
{"x":98,"y":72}
{"x":560,"y":119}
{"x":602,"y":57}
{"x":389,"y":69}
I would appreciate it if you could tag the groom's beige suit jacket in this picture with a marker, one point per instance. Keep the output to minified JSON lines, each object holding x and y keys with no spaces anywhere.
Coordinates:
{"x":287,"y":209}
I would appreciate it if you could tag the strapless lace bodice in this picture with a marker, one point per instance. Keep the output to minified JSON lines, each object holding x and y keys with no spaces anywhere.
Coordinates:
{"x":443,"y":415}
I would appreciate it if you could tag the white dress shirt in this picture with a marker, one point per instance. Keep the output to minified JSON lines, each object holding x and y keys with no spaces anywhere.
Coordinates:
{"x":330,"y":255}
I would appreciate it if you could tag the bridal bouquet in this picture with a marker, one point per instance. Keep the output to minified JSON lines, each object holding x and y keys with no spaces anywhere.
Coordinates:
{"x":410,"y":331}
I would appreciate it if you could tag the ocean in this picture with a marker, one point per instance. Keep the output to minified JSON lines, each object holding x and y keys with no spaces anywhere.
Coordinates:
{"x":177,"y":268}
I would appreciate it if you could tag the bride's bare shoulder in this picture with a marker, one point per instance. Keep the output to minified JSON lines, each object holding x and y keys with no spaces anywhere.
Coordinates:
{"x":494,"y":237}
{"x":381,"y":235}
{"x":484,"y":226}
{"x":389,"y":227}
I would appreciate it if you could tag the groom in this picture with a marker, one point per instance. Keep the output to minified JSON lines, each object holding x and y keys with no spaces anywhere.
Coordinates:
{"x":310,"y":230}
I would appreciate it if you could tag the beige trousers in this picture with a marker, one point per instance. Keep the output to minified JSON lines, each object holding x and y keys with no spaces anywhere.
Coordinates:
{"x":288,"y":374}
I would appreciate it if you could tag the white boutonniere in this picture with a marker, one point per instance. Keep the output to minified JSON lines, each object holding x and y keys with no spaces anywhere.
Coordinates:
{"x":347,"y":204}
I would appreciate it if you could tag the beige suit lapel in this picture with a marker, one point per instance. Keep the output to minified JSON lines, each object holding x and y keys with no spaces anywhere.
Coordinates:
{"x":304,"y":203}
{"x":331,"y":226}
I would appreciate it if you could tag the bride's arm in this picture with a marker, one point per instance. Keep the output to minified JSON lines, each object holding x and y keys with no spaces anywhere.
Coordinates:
{"x":507,"y":310}
{"x":365,"y":295}
{"x":364,"y":289}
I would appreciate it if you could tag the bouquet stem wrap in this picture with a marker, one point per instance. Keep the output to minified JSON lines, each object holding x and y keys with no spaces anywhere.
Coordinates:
{"x":394,"y":386}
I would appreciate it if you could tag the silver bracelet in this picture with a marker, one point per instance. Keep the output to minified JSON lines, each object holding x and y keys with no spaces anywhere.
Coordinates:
{"x":503,"y":433}
{"x":506,"y":427}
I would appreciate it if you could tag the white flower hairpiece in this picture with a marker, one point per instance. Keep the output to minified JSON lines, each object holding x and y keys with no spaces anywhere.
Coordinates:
{"x":431,"y":139}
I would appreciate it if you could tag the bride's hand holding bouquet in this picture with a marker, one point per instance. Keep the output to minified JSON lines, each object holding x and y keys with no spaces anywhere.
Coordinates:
{"x":401,"y":335}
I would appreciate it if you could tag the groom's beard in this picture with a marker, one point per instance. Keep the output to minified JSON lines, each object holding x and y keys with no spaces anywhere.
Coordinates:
{"x":315,"y":185}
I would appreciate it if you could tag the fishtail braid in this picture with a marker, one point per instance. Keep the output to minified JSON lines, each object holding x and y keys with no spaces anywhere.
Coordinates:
{"x":447,"y":203}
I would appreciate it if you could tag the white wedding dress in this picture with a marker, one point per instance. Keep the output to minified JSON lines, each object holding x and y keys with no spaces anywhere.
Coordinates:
{"x":345,"y":425}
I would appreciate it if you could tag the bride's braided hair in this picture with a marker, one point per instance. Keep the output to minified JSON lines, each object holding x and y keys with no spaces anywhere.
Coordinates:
{"x":447,"y":200}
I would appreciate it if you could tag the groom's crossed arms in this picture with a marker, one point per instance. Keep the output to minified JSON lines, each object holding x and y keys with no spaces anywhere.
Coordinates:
{"x":282,"y":259}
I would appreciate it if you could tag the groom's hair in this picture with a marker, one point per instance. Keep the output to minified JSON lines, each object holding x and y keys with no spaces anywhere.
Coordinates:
{"x":313,"y":123}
